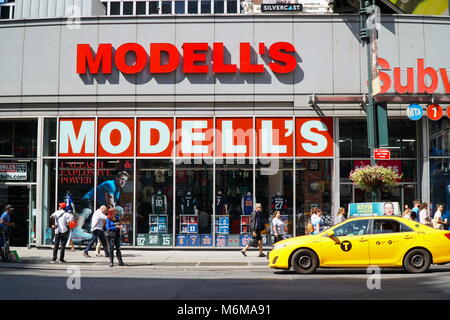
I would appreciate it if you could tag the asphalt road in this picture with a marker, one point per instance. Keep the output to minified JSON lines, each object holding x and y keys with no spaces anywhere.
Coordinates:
{"x":221,"y":283}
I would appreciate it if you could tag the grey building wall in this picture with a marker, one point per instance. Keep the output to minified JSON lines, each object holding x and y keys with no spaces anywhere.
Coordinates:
{"x":38,"y":70}
{"x":31,"y":9}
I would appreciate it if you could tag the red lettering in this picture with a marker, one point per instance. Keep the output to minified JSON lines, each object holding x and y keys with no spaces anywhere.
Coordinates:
{"x":445,"y":80}
{"x":246,"y":64}
{"x":155,"y":58}
{"x":409,"y":87}
{"x":85,"y":58}
{"x":218,"y":56}
{"x":121,"y":55}
{"x":421,"y":72}
{"x":384,"y":64}
{"x":290,"y":62}
{"x":190,"y":57}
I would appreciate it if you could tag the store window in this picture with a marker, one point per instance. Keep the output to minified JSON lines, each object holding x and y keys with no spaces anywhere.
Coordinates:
{"x":440,"y":138}
{"x":48,"y":198}
{"x":274,"y":190}
{"x":154,"y":202}
{"x":440,"y":183}
{"x":313,"y":189}
{"x":115,"y":189}
{"x":76,"y":178}
{"x":50,"y":140}
{"x":18,"y":138}
{"x":14,"y":171}
{"x":194,"y":200}
{"x":233,"y":201}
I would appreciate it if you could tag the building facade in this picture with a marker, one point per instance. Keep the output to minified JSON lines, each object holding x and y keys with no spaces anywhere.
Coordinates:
{"x":207,"y":115}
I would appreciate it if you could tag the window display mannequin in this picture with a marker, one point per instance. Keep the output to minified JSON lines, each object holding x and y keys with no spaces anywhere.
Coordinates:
{"x":189,"y":204}
{"x":247,"y":204}
{"x":279,"y":202}
{"x":221,"y":204}
{"x":159,"y":203}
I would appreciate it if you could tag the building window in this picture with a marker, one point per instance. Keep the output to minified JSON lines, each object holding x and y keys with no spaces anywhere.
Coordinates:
{"x":50,"y":139}
{"x":232,"y":6}
{"x":166,"y":7}
{"x":154,"y":202}
{"x":48,"y":198}
{"x":219,"y":6}
{"x":114,"y":8}
{"x":205,"y":7}
{"x":140,"y":8}
{"x":153,"y":7}
{"x":179,"y":7}
{"x":18,"y":138}
{"x":193,"y":7}
{"x":127,"y":8}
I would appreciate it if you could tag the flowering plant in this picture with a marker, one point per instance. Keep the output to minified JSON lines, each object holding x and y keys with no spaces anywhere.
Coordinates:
{"x":370,"y":178}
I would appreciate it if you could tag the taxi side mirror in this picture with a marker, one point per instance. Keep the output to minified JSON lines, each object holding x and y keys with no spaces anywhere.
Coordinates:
{"x":331,"y":234}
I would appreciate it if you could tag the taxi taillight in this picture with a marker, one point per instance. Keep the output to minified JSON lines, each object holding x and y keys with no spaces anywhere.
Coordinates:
{"x":448,"y":236}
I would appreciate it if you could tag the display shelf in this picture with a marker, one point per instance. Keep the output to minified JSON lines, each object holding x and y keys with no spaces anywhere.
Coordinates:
{"x":158,"y":223}
{"x":188,"y":223}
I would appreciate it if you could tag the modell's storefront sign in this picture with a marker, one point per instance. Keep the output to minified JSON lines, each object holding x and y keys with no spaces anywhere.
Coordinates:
{"x":195,"y":58}
{"x":196,"y":137}
{"x":13,"y":171}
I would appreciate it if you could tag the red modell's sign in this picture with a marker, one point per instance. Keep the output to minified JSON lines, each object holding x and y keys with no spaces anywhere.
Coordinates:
{"x":194,"y":57}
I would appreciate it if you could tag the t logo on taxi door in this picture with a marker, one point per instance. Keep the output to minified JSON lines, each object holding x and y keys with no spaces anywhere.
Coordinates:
{"x":346,"y":246}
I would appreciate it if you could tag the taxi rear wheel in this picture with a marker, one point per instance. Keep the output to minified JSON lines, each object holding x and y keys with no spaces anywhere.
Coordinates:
{"x":417,"y":261}
{"x":304,"y":261}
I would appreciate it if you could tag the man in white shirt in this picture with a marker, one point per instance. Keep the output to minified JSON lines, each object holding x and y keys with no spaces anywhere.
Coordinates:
{"x":97,"y":225}
{"x":62,"y":220}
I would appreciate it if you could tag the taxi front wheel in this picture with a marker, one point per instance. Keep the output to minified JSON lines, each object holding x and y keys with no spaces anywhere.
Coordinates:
{"x":417,"y":261}
{"x":304,"y":261}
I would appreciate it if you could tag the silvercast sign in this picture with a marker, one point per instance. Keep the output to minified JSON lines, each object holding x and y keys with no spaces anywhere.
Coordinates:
{"x":281,"y":7}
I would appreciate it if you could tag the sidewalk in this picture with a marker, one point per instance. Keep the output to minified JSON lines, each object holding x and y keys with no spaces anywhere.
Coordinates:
{"x":40,"y":258}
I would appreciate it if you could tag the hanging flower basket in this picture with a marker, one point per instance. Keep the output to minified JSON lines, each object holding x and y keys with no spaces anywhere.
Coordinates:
{"x":371,"y":178}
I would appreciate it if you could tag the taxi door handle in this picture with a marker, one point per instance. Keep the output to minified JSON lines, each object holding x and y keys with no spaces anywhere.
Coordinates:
{"x":408,"y":237}
{"x":363,"y":240}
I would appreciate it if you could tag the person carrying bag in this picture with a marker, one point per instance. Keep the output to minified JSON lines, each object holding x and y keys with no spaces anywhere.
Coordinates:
{"x":113,"y":237}
{"x":256,"y":226}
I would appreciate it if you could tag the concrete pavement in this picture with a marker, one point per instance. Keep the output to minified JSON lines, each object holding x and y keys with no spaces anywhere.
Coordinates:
{"x":40,"y":258}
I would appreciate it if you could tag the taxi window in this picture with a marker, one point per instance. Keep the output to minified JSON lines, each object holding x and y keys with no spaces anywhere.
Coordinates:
{"x":352,"y":228}
{"x":389,"y":226}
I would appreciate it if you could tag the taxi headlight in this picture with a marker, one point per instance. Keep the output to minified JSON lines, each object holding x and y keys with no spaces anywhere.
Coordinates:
{"x":281,"y":245}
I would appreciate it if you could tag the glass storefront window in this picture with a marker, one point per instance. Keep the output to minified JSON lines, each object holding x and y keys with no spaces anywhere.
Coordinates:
{"x":274,"y":190}
{"x":402,"y":138}
{"x":75,"y":183}
{"x":313,"y":189}
{"x":49,"y":137}
{"x":233,"y":201}
{"x":440,"y":183}
{"x":194,"y":199}
{"x":13,"y":171}
{"x":48,"y":198}
{"x":115,"y":189}
{"x":406,"y":167}
{"x":154,"y":202}
{"x":18,"y":138}
{"x":440,"y":137}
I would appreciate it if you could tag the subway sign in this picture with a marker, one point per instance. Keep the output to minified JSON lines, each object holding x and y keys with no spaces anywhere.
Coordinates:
{"x":196,"y":137}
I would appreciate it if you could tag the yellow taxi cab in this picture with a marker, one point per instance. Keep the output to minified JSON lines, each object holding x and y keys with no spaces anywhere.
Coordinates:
{"x":384,"y":241}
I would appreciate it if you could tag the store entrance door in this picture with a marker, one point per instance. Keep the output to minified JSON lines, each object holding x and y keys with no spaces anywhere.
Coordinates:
{"x":19,"y":197}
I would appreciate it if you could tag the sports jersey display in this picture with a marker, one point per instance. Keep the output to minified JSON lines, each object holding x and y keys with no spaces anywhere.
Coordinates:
{"x":247,"y":204}
{"x":159,"y":203}
{"x":279,"y":202}
{"x":221,"y":201}
{"x":188,"y":203}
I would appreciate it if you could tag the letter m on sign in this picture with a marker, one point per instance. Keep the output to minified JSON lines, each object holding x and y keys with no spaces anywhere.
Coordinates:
{"x":86,"y":59}
{"x":76,"y":137}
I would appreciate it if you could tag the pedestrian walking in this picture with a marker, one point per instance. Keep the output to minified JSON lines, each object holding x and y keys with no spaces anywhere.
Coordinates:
{"x":278,"y":227}
{"x":113,"y":237}
{"x":340,"y":215}
{"x":415,"y":210}
{"x":407,"y":214}
{"x":97,"y":225}
{"x":62,"y":220}
{"x":5,"y":231}
{"x":438,"y":222}
{"x":424,"y":215}
{"x":317,"y":221}
{"x":256,"y":226}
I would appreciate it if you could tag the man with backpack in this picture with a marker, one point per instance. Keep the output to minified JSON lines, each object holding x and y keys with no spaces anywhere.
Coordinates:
{"x":61,"y":226}
{"x":256,"y":226}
